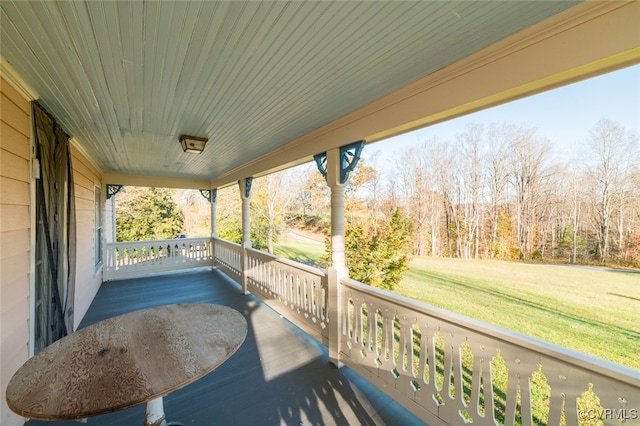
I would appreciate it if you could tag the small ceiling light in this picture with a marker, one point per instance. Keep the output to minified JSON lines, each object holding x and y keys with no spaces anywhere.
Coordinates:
{"x":192,"y":144}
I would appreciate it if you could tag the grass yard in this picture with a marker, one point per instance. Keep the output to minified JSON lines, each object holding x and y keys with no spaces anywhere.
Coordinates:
{"x":302,"y":250}
{"x":299,"y":251}
{"x":592,"y":310}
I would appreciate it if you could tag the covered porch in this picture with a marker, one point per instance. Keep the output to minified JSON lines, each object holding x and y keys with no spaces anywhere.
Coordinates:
{"x":435,"y":365}
{"x":272,"y":85}
{"x":280,"y":375}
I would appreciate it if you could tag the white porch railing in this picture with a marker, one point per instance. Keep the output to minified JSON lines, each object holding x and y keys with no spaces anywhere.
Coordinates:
{"x":135,"y":258}
{"x":444,"y":366}
{"x":228,"y":258}
{"x":295,"y":290}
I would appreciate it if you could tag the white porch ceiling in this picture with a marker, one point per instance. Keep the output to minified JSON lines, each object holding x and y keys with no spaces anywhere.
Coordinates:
{"x":126,"y":78}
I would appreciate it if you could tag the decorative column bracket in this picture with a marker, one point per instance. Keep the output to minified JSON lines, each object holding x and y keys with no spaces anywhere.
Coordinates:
{"x":207,"y":194}
{"x":247,"y":186}
{"x":349,"y":155}
{"x":113,"y":190}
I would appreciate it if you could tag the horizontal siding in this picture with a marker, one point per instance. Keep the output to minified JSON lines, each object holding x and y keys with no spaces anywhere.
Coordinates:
{"x":12,"y":359}
{"x":14,"y":268}
{"x":15,"y":239}
{"x":81,"y":169}
{"x":15,"y":338}
{"x":13,"y":141}
{"x":83,"y":196}
{"x":81,"y":181}
{"x":13,"y":242}
{"x":85,"y":216}
{"x":14,"y":116}
{"x":88,"y":281}
{"x":16,"y":98}
{"x":14,"y":192}
{"x":14,"y":218}
{"x":87,"y":167}
{"x":15,"y":167}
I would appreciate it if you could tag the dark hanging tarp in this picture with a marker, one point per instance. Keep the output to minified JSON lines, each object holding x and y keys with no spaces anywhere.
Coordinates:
{"x":55,"y":231}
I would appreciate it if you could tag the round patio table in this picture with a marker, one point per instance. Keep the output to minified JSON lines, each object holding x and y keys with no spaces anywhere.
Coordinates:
{"x":126,"y":360}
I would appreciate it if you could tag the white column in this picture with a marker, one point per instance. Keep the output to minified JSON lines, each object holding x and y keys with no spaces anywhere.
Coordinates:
{"x":246,"y":231}
{"x":214,"y":225}
{"x":214,"y":212}
{"x":113,"y":219}
{"x":338,"y":269}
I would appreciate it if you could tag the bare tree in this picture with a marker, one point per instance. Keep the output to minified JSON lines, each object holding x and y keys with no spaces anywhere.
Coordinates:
{"x":497,"y":176}
{"x":577,"y":195}
{"x":415,"y":180}
{"x":472,"y":178}
{"x":529,"y":155}
{"x":270,"y":201}
{"x":610,"y":169}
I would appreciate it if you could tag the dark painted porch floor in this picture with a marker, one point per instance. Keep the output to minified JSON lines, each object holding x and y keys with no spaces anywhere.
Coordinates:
{"x":279,"y":376}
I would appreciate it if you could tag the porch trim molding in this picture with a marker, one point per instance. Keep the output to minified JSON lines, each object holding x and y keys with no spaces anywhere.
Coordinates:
{"x":588,"y":39}
{"x":154,"y":181}
{"x":9,"y":74}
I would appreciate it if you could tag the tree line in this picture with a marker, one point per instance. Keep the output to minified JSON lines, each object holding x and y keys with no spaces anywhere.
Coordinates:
{"x":498,"y":192}
{"x":493,"y":191}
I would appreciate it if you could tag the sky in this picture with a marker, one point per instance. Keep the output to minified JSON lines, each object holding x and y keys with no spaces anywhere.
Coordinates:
{"x":564,"y":115}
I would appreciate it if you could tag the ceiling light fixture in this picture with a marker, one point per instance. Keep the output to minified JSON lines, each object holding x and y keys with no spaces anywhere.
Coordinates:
{"x":192,"y":144}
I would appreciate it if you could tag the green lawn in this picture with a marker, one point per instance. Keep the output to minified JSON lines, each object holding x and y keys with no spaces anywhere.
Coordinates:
{"x":592,"y":310}
{"x":305,"y":252}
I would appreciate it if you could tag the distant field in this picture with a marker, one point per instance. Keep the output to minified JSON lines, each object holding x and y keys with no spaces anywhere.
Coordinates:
{"x":303,"y":251}
{"x":592,"y":310}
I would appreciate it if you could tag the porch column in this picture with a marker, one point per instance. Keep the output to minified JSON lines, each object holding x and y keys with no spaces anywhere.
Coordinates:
{"x":245,"y":194}
{"x":214,"y":212}
{"x":214,"y":224}
{"x":338,"y":268}
{"x":335,"y":166}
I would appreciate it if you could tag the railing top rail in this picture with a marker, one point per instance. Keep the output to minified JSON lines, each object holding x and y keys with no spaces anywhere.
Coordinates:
{"x":292,"y":263}
{"x":226,"y":242}
{"x":564,"y":355}
{"x":169,"y":240}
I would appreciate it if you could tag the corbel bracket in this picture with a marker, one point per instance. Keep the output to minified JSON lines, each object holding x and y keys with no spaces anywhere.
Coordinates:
{"x":247,"y":186}
{"x":349,"y":157}
{"x":206,"y":193}
{"x":113,"y":190}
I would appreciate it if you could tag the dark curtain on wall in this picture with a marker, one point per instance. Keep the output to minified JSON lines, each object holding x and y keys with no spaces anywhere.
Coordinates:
{"x":55,"y":231}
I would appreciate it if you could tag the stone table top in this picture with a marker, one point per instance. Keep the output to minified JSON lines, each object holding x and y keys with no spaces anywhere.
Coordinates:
{"x":125,"y":360}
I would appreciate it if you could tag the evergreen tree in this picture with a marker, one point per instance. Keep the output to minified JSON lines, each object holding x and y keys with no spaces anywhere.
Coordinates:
{"x":377,"y":255}
{"x":147,"y":214}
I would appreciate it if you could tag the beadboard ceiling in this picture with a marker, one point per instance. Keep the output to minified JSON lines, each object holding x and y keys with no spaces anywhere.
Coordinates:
{"x":126,"y":78}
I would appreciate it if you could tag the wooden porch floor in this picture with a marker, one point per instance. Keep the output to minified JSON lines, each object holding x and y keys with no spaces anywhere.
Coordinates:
{"x":280,"y":375}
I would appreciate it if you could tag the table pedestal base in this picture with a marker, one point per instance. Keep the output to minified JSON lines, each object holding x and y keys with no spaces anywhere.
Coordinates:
{"x":155,"y":413}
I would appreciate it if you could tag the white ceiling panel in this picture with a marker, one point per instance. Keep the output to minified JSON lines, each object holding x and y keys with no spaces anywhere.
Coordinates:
{"x":126,"y":78}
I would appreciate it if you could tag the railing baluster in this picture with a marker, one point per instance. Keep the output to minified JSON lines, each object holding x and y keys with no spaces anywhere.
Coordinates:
{"x":569,"y":374}
{"x":134,"y":258}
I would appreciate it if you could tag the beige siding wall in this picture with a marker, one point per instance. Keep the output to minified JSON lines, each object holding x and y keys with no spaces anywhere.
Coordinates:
{"x":88,"y":279}
{"x":15,"y":238}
